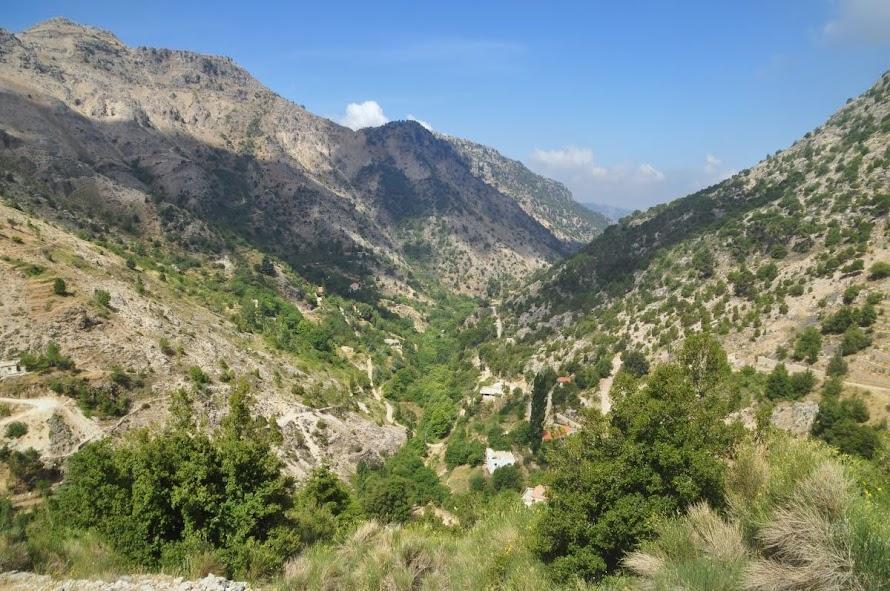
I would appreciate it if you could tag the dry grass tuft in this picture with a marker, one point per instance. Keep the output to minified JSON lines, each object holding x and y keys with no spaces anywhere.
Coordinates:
{"x":802,"y":544}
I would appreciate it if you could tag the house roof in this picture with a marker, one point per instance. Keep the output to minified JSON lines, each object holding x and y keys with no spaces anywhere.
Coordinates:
{"x":499,"y":456}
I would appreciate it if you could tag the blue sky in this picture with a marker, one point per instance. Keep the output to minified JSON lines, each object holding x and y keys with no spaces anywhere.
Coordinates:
{"x":629,"y":103}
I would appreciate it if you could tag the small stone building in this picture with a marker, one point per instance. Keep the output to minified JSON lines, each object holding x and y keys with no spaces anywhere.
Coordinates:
{"x":497,"y":459}
{"x":10,"y":368}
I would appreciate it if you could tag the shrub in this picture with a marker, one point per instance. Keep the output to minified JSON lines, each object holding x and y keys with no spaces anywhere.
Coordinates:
{"x":223,"y":492}
{"x":506,"y":478}
{"x":51,"y":358}
{"x":16,"y":429}
{"x":802,"y":383}
{"x":59,"y":287}
{"x":461,"y":451}
{"x":854,"y":340}
{"x":165,"y":346}
{"x":197,"y":376}
{"x":879,"y":270}
{"x":807,"y":345}
{"x":836,"y":366}
{"x":635,"y":363}
{"x":778,"y":384}
{"x":841,"y":423}
{"x":388,"y":499}
{"x":102,"y":298}
{"x":104,"y":401}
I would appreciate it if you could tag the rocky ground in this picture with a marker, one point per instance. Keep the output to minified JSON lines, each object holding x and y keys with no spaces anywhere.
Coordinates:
{"x":20,"y":581}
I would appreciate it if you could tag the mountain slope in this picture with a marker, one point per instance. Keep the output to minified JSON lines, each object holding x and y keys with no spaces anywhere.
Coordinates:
{"x":192,"y":148}
{"x":756,"y":259}
{"x":547,"y":201}
{"x":166,"y":320}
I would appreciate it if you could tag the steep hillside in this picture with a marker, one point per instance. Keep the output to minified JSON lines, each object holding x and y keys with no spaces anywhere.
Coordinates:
{"x":757,"y":259}
{"x":191,"y":148}
{"x":546,"y":200}
{"x":137,"y":323}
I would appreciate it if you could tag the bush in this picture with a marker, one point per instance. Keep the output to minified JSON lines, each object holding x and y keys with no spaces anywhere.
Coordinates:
{"x":16,"y":429}
{"x":836,"y":366}
{"x":854,"y":341}
{"x":59,"y":287}
{"x":462,"y":451}
{"x":879,"y":270}
{"x":197,"y":376}
{"x":388,"y":499}
{"x":802,"y":383}
{"x":506,"y":478}
{"x":165,"y":346}
{"x":51,"y":358}
{"x":102,"y":298}
{"x":778,"y":384}
{"x":807,"y":345}
{"x":799,"y":519}
{"x":635,"y":363}
{"x":159,"y":498}
{"x":104,"y":401}
{"x":841,"y":424}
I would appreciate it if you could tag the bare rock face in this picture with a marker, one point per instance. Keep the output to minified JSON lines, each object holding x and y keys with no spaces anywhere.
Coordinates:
{"x":186,"y":143}
{"x":796,"y":417}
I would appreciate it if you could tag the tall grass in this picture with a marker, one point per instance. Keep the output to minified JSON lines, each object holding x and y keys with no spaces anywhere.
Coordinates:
{"x":489,"y":555}
{"x":799,"y":517}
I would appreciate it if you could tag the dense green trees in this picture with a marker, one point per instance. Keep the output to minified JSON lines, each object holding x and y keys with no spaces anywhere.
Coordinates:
{"x":389,"y":491}
{"x":635,"y":363}
{"x":543,"y":383}
{"x":159,"y":498}
{"x":506,"y":478}
{"x":658,"y":452}
{"x":842,"y":424}
{"x":780,"y":385}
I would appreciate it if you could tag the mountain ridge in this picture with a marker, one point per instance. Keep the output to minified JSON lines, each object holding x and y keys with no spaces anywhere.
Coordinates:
{"x":200,"y":136}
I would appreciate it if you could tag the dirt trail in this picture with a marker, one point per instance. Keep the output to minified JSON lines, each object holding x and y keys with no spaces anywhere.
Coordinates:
{"x":606,"y":385}
{"x":378,"y":395}
{"x":36,"y":416}
{"x":498,"y":323}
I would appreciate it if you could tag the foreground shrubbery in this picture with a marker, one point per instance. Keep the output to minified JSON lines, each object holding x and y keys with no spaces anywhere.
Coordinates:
{"x":797,"y":517}
{"x":658,"y":453}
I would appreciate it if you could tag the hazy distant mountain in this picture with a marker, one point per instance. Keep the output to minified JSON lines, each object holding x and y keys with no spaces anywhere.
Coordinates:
{"x":612,"y":212}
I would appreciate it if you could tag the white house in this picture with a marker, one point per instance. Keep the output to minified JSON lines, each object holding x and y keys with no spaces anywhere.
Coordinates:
{"x":534,"y":495}
{"x":497,"y":459}
{"x":10,"y":368}
{"x":490,"y":393}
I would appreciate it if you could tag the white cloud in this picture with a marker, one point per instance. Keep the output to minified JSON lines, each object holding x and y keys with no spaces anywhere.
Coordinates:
{"x":423,"y":123}
{"x":712,"y":163}
{"x":574,"y":160}
{"x":366,"y":114}
{"x":649,"y":172}
{"x":860,"y":21}
{"x":630,"y":185}
{"x":579,"y":163}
